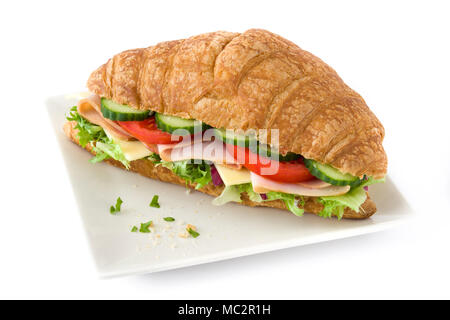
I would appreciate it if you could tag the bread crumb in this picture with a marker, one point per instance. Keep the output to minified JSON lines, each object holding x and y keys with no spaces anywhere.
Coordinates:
{"x":184,"y":235}
{"x":190,"y":226}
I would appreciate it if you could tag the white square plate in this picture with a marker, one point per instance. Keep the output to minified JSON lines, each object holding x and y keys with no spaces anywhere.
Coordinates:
{"x":225,"y":232}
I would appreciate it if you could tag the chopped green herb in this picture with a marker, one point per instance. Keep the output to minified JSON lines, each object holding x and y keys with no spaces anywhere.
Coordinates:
{"x":169,"y":219}
{"x":115,"y":209}
{"x":145,"y":227}
{"x":154,"y":202}
{"x":134,"y":229}
{"x":193,"y":233}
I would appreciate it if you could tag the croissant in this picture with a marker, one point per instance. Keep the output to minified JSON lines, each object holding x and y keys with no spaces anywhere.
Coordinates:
{"x":254,"y":80}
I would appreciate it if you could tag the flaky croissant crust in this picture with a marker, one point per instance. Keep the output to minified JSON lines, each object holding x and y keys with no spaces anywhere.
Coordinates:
{"x":254,"y":80}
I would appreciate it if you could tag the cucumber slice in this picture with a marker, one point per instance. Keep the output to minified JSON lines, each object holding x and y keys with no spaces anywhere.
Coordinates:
{"x":264,"y":150}
{"x":237,"y":139}
{"x":170,"y":123}
{"x":331,"y":175}
{"x":120,"y":112}
{"x":249,"y":141}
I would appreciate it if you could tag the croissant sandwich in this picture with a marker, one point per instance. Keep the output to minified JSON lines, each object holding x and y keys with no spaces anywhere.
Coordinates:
{"x":245,"y":117}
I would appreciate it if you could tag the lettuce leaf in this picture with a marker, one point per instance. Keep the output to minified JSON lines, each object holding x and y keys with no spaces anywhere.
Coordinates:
{"x":229,"y":194}
{"x":87,"y":131}
{"x":108,"y":149}
{"x":252,"y":195}
{"x":190,"y":172}
{"x":289,"y":200}
{"x":102,"y":145}
{"x":155,"y":158}
{"x":335,"y":205}
{"x":233,"y":194}
{"x":371,"y":181}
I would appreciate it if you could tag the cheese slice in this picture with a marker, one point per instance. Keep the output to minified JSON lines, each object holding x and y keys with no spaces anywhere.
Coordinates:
{"x":132,"y":150}
{"x":232,"y":177}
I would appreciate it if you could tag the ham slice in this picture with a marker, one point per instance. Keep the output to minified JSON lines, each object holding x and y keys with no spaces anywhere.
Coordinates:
{"x":89,"y":108}
{"x":314,"y":184}
{"x":214,"y":151}
{"x":152,"y":147}
{"x":165,"y":150}
{"x":264,"y":185}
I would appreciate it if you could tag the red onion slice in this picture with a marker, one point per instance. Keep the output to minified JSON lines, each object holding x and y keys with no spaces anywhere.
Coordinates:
{"x":215,"y":176}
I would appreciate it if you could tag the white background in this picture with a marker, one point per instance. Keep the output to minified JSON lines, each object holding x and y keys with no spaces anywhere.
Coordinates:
{"x":394,"y":53}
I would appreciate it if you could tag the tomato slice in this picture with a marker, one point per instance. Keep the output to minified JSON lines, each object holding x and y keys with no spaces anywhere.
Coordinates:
{"x":147,"y":132}
{"x":291,"y":171}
